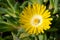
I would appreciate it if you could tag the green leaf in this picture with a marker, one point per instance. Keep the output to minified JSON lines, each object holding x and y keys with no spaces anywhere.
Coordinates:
{"x":24,"y":35}
{"x":26,"y":38}
{"x":2,"y":4}
{"x":40,"y":37}
{"x":5,"y":28}
{"x":51,"y":4}
{"x":23,"y":5}
{"x":6,"y":11}
{"x":55,"y":6}
{"x":21,"y":30}
{"x":11,"y":5}
{"x":45,"y":37}
{"x":12,"y":21}
{"x":16,"y":7}
{"x":2,"y":10}
{"x":45,"y":1}
{"x":37,"y":1}
{"x":15,"y":37}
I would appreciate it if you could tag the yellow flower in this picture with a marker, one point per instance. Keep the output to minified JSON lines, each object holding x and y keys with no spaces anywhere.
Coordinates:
{"x":35,"y":19}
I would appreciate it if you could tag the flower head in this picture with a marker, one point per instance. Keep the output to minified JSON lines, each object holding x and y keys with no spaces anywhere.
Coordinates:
{"x":35,"y":19}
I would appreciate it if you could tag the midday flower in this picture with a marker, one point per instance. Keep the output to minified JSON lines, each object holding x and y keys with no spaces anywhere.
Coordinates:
{"x":35,"y":19}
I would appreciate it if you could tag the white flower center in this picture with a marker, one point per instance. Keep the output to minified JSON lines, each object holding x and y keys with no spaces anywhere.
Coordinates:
{"x":36,"y":20}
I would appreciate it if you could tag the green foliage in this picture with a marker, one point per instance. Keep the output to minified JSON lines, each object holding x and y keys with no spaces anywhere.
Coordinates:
{"x":11,"y":11}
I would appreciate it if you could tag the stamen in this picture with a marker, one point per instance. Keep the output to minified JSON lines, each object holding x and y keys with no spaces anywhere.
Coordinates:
{"x":36,"y":20}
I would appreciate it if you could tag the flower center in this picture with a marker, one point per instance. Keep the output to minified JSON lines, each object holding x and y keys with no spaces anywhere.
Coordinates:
{"x":36,"y":20}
